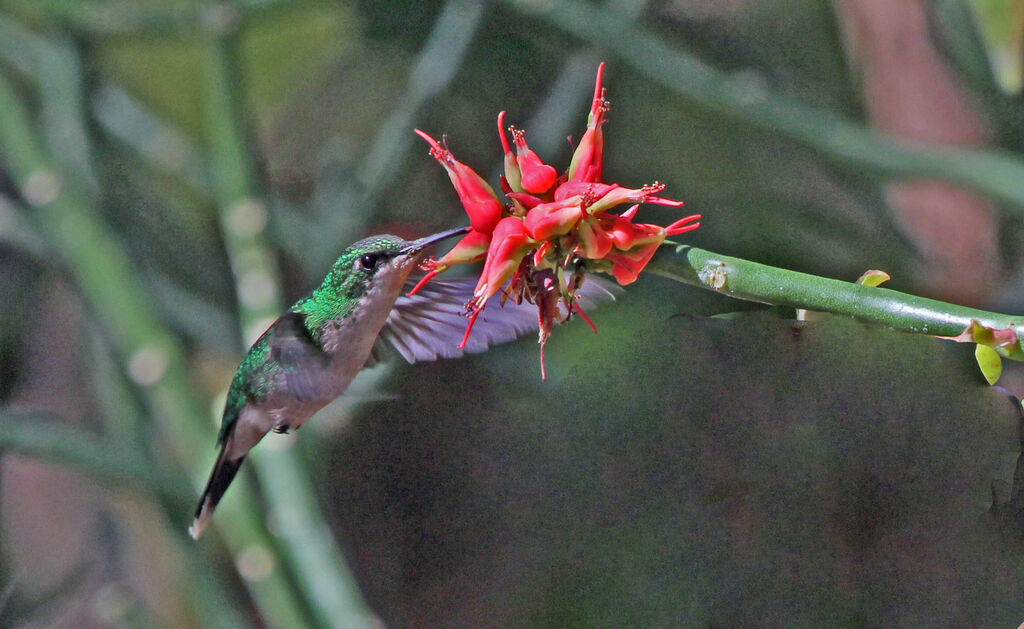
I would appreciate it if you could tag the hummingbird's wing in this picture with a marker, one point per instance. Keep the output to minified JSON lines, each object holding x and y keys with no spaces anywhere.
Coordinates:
{"x":302,"y":364}
{"x":430,"y":324}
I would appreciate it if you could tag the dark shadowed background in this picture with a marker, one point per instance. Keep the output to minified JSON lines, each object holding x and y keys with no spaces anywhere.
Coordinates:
{"x":174,"y":174}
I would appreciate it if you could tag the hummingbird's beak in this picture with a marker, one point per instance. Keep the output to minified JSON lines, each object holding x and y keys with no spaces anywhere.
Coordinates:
{"x":419,"y":245}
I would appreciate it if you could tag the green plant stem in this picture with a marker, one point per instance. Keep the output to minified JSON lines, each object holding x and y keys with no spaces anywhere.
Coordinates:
{"x":752,"y":281}
{"x":105,"y":275}
{"x":347,"y":210}
{"x":313,"y":555}
{"x":126,"y":17}
{"x":749,"y":100}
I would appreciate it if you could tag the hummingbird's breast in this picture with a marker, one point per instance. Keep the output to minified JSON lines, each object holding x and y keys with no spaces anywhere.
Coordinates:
{"x":346,"y":342}
{"x":349,"y":339}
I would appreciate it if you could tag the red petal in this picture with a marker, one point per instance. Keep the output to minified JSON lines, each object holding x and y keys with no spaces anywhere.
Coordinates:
{"x":627,"y":266}
{"x":528,"y":201}
{"x":505,"y":148}
{"x":683,"y":225}
{"x":663,"y":201}
{"x":595,"y":241}
{"x":419,"y":284}
{"x":576,"y":308}
{"x":542,"y":250}
{"x":469,"y":328}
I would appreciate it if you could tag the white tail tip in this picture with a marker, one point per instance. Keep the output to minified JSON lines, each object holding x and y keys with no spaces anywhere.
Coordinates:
{"x":199,"y":524}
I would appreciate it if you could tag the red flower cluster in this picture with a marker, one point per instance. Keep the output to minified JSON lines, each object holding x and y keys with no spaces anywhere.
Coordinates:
{"x":551,"y":229}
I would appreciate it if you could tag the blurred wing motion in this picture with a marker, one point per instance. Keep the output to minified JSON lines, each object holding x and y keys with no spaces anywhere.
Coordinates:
{"x":430,"y":324}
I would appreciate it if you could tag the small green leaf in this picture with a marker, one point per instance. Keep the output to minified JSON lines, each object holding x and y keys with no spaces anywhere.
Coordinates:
{"x":873,"y":278}
{"x":989,"y":362}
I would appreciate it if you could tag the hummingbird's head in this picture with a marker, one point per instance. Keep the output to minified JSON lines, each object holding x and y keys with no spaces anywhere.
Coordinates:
{"x":386,"y":254}
{"x":372,"y":267}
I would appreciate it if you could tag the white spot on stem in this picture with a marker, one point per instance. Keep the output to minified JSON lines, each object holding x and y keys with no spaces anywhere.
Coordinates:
{"x":147,"y":365}
{"x":41,"y":188}
{"x":255,"y":563}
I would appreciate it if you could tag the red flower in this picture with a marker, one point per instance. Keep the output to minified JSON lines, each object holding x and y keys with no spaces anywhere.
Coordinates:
{"x":563,"y":222}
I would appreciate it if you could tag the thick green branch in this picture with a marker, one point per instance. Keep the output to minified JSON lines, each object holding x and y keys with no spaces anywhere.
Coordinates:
{"x":770,"y":285}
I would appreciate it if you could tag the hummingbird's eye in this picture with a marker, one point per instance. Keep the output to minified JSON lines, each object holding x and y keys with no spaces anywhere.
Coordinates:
{"x":369,"y":261}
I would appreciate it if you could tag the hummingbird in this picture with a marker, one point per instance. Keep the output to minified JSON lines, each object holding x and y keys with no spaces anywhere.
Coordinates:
{"x":357,"y":317}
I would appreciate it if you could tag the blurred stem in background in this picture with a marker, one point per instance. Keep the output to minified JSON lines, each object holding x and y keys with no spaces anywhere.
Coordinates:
{"x":150,"y":353}
{"x":311,"y":553}
{"x":348,"y":207}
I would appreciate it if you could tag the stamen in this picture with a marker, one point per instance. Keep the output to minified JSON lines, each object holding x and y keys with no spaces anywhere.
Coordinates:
{"x":662,"y":201}
{"x":576,"y":308}
{"x":469,"y":328}
{"x":543,"y":372}
{"x":423,"y":280}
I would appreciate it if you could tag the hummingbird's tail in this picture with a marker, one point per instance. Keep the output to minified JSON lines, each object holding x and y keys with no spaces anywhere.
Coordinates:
{"x":223,"y":473}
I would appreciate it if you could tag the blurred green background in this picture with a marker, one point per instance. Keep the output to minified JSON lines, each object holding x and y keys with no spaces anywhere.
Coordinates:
{"x":173,"y":174}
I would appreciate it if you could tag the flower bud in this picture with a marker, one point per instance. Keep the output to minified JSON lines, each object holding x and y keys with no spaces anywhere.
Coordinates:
{"x":513,"y":176}
{"x":537,"y":177}
{"x":528,"y":201}
{"x":478,"y":198}
{"x":470,"y":248}
{"x":586,"y":159}
{"x":557,"y":218}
